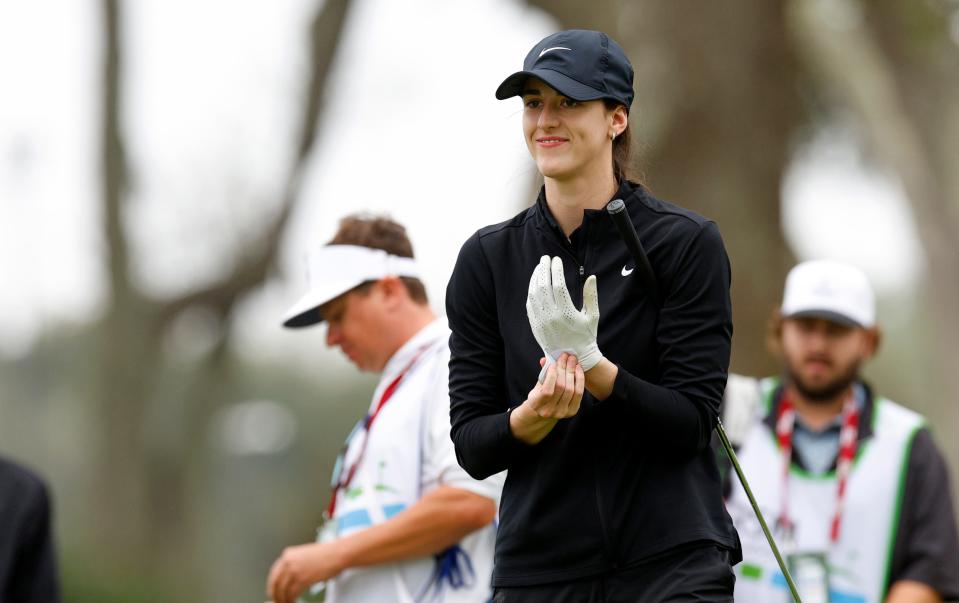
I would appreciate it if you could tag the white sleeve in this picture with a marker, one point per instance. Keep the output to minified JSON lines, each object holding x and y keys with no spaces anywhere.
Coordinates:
{"x":742,"y":403}
{"x":440,"y":467}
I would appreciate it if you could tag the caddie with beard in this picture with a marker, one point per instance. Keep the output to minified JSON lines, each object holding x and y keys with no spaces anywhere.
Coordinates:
{"x":851,"y":482}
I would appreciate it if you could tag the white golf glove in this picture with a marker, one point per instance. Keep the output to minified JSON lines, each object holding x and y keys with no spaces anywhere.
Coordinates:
{"x":557,"y":325}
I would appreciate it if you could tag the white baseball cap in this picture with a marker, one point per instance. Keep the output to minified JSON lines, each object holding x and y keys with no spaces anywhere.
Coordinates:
{"x":832,"y":290}
{"x":332,"y":270}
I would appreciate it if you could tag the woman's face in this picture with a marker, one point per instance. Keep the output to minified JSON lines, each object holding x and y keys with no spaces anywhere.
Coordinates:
{"x":568,"y":138}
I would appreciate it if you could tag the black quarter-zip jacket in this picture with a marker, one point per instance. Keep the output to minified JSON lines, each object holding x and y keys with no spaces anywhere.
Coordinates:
{"x":628,"y":477}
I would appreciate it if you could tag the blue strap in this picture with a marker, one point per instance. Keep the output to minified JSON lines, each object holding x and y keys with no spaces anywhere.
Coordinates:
{"x":452,"y":568}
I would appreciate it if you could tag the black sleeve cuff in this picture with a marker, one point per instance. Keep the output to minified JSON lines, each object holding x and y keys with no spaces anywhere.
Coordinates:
{"x":620,"y":391}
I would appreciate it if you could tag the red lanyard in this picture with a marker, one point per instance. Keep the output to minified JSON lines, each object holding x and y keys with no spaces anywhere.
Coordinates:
{"x":364,"y":424}
{"x":848,"y":440}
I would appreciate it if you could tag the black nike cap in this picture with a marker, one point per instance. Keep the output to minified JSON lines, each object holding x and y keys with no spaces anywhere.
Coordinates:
{"x":579,"y":64}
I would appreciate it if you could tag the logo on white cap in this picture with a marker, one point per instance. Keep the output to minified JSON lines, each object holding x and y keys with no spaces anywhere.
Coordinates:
{"x":832,"y":290}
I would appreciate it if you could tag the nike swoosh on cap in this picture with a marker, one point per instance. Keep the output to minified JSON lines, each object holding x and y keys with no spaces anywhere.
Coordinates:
{"x":545,"y":50}
{"x":627,"y":272}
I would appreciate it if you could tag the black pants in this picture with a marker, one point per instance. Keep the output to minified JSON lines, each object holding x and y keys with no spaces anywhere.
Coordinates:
{"x":701,"y":574}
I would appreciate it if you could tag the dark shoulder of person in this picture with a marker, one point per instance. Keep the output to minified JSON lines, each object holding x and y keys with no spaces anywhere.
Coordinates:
{"x":27,"y":558}
{"x":926,"y":548}
{"x":19,"y":488}
{"x":665,"y":209}
{"x":668,"y":232}
{"x":520,"y":220}
{"x":483,"y":247}
{"x":665,"y":219}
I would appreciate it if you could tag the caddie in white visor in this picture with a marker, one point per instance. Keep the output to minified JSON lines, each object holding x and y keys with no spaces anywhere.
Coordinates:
{"x":333,"y":270}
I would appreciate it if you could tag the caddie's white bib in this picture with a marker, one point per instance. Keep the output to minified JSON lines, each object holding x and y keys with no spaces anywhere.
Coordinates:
{"x":410,"y":453}
{"x":859,"y":561}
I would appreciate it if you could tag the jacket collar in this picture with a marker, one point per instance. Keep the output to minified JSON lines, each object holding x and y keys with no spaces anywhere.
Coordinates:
{"x":544,"y":218}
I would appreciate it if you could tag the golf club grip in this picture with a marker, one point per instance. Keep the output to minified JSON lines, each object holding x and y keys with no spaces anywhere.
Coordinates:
{"x":617,"y":211}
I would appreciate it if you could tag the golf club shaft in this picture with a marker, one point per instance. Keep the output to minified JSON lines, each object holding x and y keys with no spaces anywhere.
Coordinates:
{"x":727,"y":446}
{"x":617,"y":211}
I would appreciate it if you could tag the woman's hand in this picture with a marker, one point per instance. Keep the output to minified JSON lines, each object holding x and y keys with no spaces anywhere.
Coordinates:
{"x":557,"y":397}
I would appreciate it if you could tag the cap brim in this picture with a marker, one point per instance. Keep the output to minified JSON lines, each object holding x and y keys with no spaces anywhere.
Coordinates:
{"x":567,"y":86}
{"x":306,"y":311}
{"x":829,"y":315}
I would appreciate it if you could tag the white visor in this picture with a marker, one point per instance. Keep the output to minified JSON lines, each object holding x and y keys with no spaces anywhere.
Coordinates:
{"x":333,"y":270}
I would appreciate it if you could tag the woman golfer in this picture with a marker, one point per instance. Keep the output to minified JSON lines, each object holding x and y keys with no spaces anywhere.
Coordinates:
{"x":612,"y":493}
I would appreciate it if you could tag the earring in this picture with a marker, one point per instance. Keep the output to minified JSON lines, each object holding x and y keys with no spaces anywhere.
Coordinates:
{"x":612,"y":136}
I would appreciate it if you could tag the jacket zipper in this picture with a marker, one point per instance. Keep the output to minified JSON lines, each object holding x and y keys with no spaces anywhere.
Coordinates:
{"x":610,"y":558}
{"x":582,"y":266}
{"x":568,"y":253}
{"x":603,"y":528}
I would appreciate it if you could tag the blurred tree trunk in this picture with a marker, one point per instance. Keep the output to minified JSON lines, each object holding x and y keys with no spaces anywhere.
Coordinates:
{"x":139,"y":495}
{"x":124,"y":361}
{"x":924,"y":61}
{"x":716,"y":107}
{"x":896,"y":67}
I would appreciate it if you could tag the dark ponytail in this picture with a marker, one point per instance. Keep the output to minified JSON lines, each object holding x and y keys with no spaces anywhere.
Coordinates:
{"x":622,"y":149}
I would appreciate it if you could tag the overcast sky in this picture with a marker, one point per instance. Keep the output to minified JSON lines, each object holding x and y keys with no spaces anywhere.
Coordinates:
{"x":412,"y":129}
